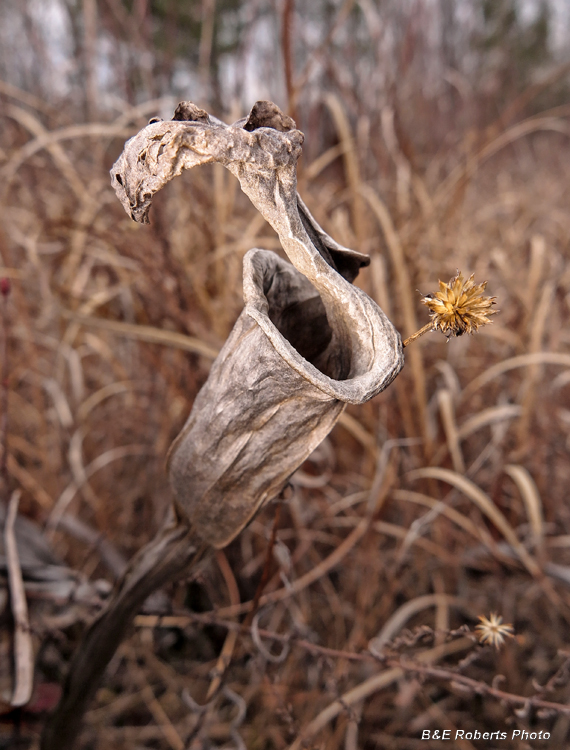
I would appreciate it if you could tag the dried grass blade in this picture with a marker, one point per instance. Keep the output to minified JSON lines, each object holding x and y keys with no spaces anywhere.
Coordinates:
{"x":540,"y":318}
{"x":535,"y":269}
{"x":532,"y":125}
{"x":130,"y":114}
{"x":316,"y":56}
{"x":26,"y":98}
{"x":28,"y":482}
{"x":83,"y":474}
{"x":401,"y":616}
{"x":321,"y":162}
{"x":522,"y":360}
{"x":403,"y":166}
{"x":75,"y":456}
{"x":159,"y":714}
{"x":23,"y":648}
{"x":371,"y":686}
{"x":350,"y":161}
{"x":96,"y":398}
{"x":492,"y":415}
{"x":47,"y":139}
{"x":445,"y":401}
{"x":485,"y":505}
{"x":76,"y":375}
{"x":320,"y":570}
{"x":60,"y":402}
{"x":380,"y":285}
{"x":560,"y":380}
{"x":146,"y":333}
{"x":109,"y":555}
{"x":247,"y":239}
{"x":405,"y":289}
{"x":477,"y":532}
{"x":76,"y":278}
{"x":400,"y":532}
{"x":60,"y":158}
{"x":531,"y":499}
{"x":396,"y":255}
{"x":227,"y":651}
{"x":351,"y":736}
{"x":309,"y":578}
{"x":353,"y":426}
{"x":115,"y":454}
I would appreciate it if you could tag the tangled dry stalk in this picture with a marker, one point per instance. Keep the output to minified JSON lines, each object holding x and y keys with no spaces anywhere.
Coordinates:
{"x":439,"y":501}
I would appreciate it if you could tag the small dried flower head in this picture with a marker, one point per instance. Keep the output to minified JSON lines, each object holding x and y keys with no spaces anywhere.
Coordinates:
{"x":5,"y":286}
{"x":493,"y":631}
{"x":459,"y":307}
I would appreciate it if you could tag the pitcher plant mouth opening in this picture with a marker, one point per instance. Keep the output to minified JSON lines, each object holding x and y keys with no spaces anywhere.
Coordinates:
{"x":297,"y":311}
{"x":305,"y":325}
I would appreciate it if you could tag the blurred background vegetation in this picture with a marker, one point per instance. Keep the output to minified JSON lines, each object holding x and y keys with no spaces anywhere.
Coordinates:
{"x":436,"y":139}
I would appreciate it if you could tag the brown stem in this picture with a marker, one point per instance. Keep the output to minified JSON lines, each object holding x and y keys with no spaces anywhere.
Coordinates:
{"x":287,"y":45}
{"x":478,"y":687}
{"x":167,"y":557}
{"x":417,"y":334}
{"x":266,"y":570}
{"x":207,"y":618}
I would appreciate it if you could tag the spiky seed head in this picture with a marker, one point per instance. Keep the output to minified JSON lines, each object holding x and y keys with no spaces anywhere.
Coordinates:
{"x":493,"y":630}
{"x":460,"y":306}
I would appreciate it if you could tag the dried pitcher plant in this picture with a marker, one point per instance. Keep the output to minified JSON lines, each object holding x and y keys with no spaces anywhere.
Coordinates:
{"x":458,"y":307}
{"x":307,"y":343}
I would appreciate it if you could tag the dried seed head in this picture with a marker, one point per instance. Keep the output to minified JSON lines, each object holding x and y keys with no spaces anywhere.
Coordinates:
{"x":492,"y":630}
{"x":459,"y":307}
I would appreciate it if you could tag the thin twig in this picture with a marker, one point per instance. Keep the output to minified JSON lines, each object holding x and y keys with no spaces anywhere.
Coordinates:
{"x":317,"y":54}
{"x":367,"y":688}
{"x":417,"y":334}
{"x":225,"y":657}
{"x":309,"y":578}
{"x":158,"y":713}
{"x":476,"y":686}
{"x":266,"y":570}
{"x":286,"y":44}
{"x":183,"y":620}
